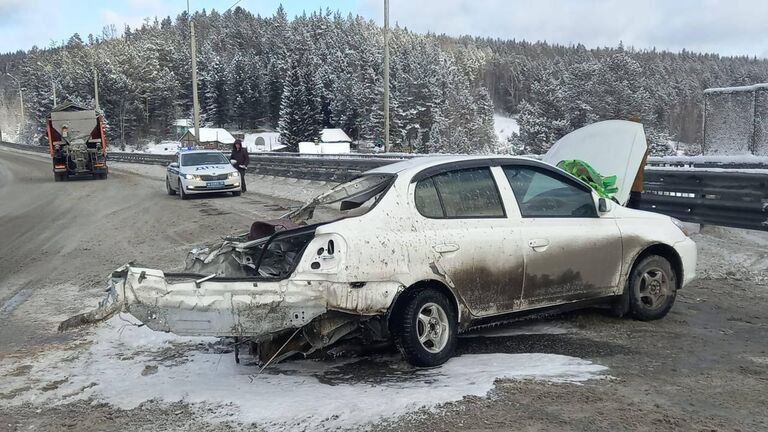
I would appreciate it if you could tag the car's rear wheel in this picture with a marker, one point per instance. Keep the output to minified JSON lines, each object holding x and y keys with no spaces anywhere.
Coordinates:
{"x":652,"y":288}
{"x":168,"y":187}
{"x":183,"y":195}
{"x":424,"y":327}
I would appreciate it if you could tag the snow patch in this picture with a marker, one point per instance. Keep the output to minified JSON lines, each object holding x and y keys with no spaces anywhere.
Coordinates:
{"x":164,"y":147}
{"x":128,"y":365}
{"x":505,"y":126}
{"x":732,"y":253}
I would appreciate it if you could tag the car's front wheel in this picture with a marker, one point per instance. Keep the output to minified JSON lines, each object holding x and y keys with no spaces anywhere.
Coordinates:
{"x":652,"y":288}
{"x":424,"y":327}
{"x":182,"y":195}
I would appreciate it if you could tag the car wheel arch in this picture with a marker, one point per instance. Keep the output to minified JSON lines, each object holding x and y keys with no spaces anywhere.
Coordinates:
{"x":462,"y":312}
{"x":665,"y":251}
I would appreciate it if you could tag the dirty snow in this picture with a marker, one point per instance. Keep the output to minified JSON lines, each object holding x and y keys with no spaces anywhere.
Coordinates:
{"x":505,"y":126}
{"x":732,"y":253}
{"x":127,"y":365}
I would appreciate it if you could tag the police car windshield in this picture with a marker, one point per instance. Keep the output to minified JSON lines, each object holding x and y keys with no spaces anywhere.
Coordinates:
{"x":213,"y":158}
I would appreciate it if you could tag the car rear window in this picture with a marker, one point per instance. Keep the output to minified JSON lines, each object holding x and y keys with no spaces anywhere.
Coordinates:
{"x":427,"y":201}
{"x":466,"y":193}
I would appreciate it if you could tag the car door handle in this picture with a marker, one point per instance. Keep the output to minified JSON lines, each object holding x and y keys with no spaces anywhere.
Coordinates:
{"x":445,"y":248}
{"x":538,"y":244}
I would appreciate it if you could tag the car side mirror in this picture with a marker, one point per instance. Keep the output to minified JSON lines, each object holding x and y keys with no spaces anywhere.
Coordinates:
{"x":173,"y":164}
{"x":602,"y":205}
{"x":233,"y":162}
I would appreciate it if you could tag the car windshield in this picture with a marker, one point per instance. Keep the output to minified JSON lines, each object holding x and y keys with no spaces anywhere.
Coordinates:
{"x":212,"y":158}
{"x":349,"y":199}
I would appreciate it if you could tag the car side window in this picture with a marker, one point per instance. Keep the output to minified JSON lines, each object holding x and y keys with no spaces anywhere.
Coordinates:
{"x":465,"y":193}
{"x":427,"y":201}
{"x":543,"y":194}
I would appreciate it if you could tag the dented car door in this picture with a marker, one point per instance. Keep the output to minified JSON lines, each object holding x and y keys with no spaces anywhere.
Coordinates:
{"x":571,"y":253}
{"x":475,"y":249}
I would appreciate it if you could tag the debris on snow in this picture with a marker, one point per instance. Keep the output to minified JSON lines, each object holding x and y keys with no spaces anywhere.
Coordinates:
{"x":127,"y":365}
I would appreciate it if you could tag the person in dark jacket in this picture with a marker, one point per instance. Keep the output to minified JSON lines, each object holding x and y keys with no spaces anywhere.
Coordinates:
{"x":240,"y":156}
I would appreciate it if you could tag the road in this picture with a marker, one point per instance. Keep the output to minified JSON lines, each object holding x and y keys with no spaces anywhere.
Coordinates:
{"x":704,"y":367}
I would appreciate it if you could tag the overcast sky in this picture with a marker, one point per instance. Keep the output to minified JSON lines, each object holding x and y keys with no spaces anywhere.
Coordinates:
{"x":735,"y":27}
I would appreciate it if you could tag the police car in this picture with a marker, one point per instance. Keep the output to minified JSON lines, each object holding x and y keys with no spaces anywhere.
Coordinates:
{"x":201,"y":171}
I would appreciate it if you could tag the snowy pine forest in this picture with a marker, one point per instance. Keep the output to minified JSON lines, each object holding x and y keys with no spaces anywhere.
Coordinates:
{"x":323,"y":69}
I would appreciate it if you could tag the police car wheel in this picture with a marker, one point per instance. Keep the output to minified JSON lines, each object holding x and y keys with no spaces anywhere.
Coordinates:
{"x":181,"y":192}
{"x":168,"y":187}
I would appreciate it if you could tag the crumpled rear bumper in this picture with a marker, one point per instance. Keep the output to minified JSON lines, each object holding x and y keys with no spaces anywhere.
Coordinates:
{"x":252,"y":309}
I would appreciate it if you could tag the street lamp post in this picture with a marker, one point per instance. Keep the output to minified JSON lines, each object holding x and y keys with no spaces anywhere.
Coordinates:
{"x":386,"y":75}
{"x":53,"y":81}
{"x":195,"y":103}
{"x":21,"y":98}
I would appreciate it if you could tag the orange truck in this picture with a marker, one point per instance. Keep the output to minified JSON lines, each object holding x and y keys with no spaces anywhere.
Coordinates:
{"x":77,"y":142}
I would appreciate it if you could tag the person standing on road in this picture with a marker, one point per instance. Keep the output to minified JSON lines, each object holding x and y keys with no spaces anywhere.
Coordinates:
{"x":240,"y":156}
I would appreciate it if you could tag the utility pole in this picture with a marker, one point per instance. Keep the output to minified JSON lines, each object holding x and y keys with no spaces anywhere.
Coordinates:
{"x":21,"y":100}
{"x":96,"y":88}
{"x":195,"y":103}
{"x":386,"y":75}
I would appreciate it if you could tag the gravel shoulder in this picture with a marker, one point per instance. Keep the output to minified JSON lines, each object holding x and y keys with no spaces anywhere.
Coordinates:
{"x":704,"y":367}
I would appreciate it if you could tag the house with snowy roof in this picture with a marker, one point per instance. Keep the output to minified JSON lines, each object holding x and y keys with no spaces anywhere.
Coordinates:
{"x":334,"y":136}
{"x":210,"y":138}
{"x":332,"y":141}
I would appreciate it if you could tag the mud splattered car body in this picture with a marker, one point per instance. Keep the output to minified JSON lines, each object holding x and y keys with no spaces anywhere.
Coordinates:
{"x":473,"y":239}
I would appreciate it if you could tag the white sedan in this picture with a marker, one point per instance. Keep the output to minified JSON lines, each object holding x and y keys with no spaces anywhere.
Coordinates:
{"x":419,"y":251}
{"x":201,"y":171}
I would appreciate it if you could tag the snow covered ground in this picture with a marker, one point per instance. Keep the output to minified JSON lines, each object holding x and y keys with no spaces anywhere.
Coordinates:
{"x":505,"y":126}
{"x":127,"y":365}
{"x":732,"y":253}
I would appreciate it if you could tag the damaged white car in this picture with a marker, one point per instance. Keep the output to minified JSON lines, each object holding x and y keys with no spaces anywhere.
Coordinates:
{"x":422,"y":250}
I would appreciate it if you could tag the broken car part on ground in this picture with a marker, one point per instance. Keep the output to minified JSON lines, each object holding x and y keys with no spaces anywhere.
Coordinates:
{"x":420,"y":250}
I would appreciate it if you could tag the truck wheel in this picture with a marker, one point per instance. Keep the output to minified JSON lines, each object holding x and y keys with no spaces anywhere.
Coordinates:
{"x":652,"y":288}
{"x":168,"y":187}
{"x":424,"y":328}
{"x":182,"y":195}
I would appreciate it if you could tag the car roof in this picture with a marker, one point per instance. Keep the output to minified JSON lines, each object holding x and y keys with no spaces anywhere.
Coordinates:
{"x":420,"y":168}
{"x":201,"y":151}
{"x":417,"y":164}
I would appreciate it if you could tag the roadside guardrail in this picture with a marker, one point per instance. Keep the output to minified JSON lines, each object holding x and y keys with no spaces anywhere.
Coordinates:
{"x":728,"y":191}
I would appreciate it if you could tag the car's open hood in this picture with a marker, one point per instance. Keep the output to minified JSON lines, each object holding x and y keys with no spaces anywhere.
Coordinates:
{"x":612,"y":147}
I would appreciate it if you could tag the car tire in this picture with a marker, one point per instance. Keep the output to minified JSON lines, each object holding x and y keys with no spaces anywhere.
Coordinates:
{"x":236,"y":193}
{"x":652,"y":288}
{"x":57,"y":177}
{"x":182,"y":195}
{"x":168,"y":187}
{"x":424,"y":327}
